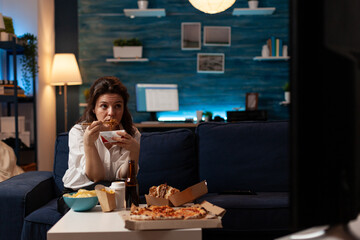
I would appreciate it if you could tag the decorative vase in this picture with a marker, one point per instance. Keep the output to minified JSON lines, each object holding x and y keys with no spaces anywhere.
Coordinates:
{"x":265,"y":52}
{"x":287,"y":96}
{"x":253,"y":4}
{"x":142,"y":4}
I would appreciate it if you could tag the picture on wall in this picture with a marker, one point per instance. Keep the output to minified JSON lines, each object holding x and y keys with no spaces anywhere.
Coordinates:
{"x":217,"y":36}
{"x":252,"y":100}
{"x":210,"y":63}
{"x":191,"y":36}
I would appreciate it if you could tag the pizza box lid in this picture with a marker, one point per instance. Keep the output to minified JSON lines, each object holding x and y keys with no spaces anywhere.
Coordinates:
{"x":211,"y":221}
{"x":189,"y":194}
{"x":180,"y":198}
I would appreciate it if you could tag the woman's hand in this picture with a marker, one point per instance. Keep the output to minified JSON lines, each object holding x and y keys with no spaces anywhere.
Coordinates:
{"x":126,"y":141}
{"x":92,"y":132}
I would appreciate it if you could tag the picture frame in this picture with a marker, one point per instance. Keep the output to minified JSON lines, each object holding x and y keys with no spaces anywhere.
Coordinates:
{"x":217,"y":36}
{"x":210,"y":62}
{"x":190,"y":36}
{"x":251,"y":102}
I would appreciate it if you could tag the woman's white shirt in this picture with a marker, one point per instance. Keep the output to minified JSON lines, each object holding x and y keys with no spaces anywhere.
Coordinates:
{"x":112,"y":159}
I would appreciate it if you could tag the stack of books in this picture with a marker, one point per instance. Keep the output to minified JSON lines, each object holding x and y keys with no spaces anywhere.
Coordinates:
{"x":9,"y":90}
{"x":275,"y":46}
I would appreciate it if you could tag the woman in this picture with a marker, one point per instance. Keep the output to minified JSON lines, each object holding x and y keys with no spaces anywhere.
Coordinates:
{"x":90,"y":159}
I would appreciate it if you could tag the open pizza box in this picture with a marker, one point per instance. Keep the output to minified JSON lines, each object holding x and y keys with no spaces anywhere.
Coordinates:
{"x":211,"y":220}
{"x":106,"y":198}
{"x":180,"y":198}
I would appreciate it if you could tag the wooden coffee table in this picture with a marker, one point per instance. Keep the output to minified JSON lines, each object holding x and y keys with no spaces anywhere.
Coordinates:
{"x":97,"y":225}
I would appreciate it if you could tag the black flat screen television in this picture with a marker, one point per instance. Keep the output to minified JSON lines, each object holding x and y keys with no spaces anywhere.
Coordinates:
{"x":324,"y":112}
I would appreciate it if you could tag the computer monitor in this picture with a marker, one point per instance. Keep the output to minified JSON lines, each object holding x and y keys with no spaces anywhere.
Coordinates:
{"x":154,"y":98}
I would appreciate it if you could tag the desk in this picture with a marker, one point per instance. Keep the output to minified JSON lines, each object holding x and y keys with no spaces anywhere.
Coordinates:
{"x":95,"y":225}
{"x":159,"y":127}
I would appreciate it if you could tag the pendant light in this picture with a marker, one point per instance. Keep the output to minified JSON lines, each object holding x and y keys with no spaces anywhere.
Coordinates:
{"x":212,"y":6}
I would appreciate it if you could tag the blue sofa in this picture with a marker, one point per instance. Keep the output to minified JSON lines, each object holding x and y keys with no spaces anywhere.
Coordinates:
{"x":231,"y":157}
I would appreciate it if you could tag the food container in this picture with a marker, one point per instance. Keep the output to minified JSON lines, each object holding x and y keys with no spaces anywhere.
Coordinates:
{"x":119,"y":188}
{"x":212,"y":220}
{"x":80,"y":204}
{"x":106,"y":198}
{"x":180,"y":198}
{"x":106,"y":136}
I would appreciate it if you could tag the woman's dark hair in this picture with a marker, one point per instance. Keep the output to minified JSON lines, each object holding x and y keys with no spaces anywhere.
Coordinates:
{"x":108,"y":85}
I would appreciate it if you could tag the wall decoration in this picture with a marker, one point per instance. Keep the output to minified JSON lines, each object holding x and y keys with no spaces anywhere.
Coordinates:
{"x":217,"y":36}
{"x":191,"y":36}
{"x":252,"y":100}
{"x":168,"y":63}
{"x":210,"y":63}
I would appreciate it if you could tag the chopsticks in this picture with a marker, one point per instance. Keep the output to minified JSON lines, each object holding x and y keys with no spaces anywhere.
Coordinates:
{"x":106,"y":122}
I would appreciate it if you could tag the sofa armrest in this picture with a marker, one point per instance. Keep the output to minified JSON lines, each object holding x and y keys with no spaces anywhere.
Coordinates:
{"x":21,"y":195}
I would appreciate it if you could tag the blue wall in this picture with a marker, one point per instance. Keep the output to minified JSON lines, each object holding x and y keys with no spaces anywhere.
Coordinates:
{"x":100,"y":22}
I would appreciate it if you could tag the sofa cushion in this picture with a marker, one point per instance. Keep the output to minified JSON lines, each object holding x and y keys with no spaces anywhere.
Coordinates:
{"x":167,"y":157}
{"x":244,"y":156}
{"x":265,"y":211}
{"x":40,"y":221}
{"x":61,"y":159}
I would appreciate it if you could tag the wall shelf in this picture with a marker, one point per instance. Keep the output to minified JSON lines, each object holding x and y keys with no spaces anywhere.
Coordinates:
{"x":155,"y":12}
{"x":256,"y":11}
{"x":284,"y":103}
{"x":271,"y":58}
{"x":127,"y":60}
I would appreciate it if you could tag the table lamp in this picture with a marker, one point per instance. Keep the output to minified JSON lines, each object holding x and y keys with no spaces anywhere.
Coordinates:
{"x":65,"y":71}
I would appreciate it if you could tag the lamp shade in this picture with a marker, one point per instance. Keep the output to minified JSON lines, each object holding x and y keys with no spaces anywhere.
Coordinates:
{"x":2,"y":24}
{"x":65,"y":70}
{"x":212,"y":6}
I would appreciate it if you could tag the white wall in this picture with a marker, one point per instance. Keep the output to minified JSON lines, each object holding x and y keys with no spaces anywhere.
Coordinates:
{"x":37,"y":17}
{"x":23,"y":13}
{"x":46,"y":101}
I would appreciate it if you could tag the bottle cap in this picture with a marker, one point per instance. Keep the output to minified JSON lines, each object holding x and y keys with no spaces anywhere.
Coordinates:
{"x":117,"y":185}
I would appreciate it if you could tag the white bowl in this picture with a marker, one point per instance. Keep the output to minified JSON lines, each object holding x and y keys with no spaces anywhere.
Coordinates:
{"x":107,"y":135}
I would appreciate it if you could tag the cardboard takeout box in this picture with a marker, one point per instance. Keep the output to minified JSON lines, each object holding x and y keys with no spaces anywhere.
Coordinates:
{"x":213,"y":220}
{"x":180,"y":198}
{"x":106,"y":198}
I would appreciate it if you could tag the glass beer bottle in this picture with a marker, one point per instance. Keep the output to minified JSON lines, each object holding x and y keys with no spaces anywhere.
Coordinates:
{"x":132,"y":186}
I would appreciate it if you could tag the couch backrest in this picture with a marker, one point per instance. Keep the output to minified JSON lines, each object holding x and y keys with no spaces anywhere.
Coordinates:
{"x":168,"y":157}
{"x":165,"y":157}
{"x":61,"y":159}
{"x":244,"y":156}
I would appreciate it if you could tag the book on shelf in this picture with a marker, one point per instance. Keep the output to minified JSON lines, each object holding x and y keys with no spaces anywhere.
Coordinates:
{"x":268,"y":42}
{"x":280,"y":47}
{"x":9,"y":90}
{"x":275,"y":46}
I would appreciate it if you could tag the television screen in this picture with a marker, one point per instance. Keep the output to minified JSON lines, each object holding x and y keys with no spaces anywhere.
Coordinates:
{"x":156,"y":97}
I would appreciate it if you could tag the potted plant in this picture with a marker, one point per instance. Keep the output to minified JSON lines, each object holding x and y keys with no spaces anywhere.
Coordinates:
{"x":208,"y":116}
{"x":253,"y":4}
{"x":127,"y":48}
{"x":8,"y":32}
{"x":143,"y":4}
{"x":29,"y":61}
{"x":287,"y":92}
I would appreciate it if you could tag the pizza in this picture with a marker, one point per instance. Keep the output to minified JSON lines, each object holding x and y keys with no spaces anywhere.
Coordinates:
{"x":167,"y":213}
{"x":162,"y":191}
